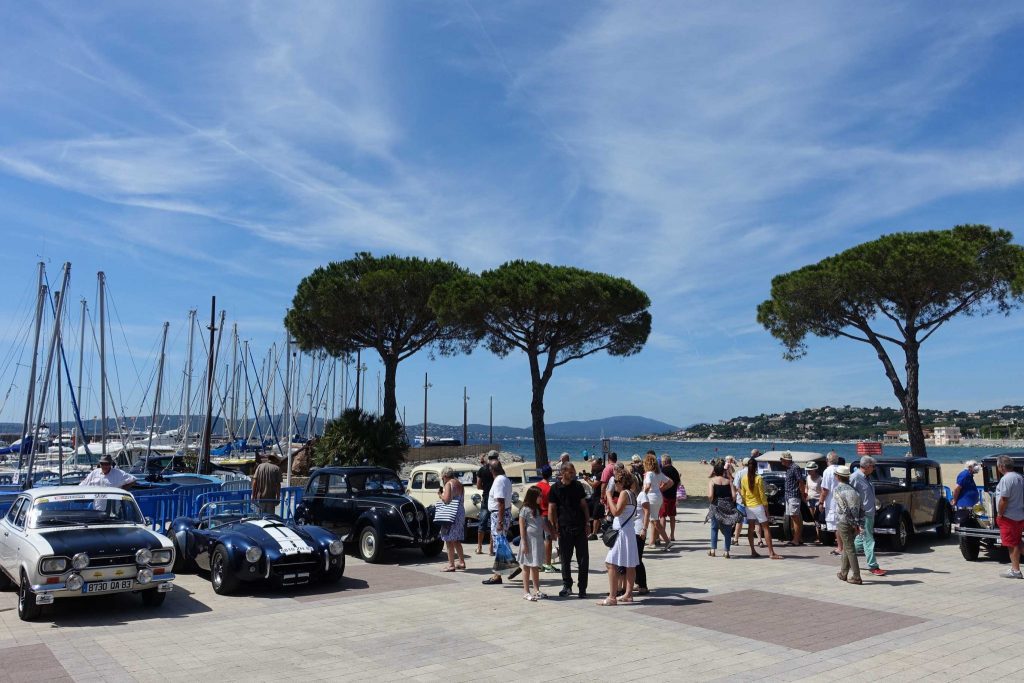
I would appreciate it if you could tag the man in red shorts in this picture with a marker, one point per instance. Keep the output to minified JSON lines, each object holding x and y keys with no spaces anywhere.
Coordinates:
{"x":668,"y":505}
{"x":1010,"y":512}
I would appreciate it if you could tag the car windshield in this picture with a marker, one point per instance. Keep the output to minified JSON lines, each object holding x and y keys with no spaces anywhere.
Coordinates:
{"x":223,"y":512}
{"x":81,"y":509}
{"x":375,"y":482}
{"x":890,"y":475}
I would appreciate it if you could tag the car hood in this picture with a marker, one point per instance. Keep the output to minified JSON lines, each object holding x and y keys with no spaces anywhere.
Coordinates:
{"x":275,"y":534}
{"x":101,"y":541}
{"x":396,"y":499}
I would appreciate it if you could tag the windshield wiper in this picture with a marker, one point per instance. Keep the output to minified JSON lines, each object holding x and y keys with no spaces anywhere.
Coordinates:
{"x":54,"y":521}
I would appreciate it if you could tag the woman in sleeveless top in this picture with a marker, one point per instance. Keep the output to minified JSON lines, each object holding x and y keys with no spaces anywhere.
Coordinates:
{"x":452,"y":534}
{"x":720,"y":488}
{"x":623,"y":553}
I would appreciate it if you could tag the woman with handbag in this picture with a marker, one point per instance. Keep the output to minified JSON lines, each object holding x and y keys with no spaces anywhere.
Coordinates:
{"x":621,"y":538}
{"x":722,"y":510}
{"x":453,"y":532}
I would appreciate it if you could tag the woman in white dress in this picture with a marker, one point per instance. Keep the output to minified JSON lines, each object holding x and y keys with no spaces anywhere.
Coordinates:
{"x":624,"y":553}
{"x":654,"y":484}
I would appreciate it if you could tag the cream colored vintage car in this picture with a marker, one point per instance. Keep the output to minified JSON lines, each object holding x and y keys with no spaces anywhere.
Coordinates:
{"x":425,"y":482}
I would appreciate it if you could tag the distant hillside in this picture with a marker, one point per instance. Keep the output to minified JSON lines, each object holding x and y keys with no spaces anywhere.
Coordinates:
{"x":623,"y":425}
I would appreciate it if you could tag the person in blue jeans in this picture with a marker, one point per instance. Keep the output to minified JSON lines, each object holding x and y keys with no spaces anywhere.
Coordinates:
{"x":722,"y":510}
{"x":965,"y":493}
{"x":865,"y":540}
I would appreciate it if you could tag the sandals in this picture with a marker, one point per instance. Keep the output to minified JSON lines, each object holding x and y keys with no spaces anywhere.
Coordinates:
{"x":727,"y":555}
{"x":460,"y":565}
{"x":607,"y":602}
{"x":539,"y":596}
{"x":775,"y":556}
{"x":760,"y":544}
{"x":449,"y":569}
{"x":711,"y":553}
{"x":530,"y":598}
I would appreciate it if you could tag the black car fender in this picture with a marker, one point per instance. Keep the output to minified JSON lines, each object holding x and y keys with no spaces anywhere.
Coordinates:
{"x":889,"y":516}
{"x":372,"y":517}
{"x":235,"y":546}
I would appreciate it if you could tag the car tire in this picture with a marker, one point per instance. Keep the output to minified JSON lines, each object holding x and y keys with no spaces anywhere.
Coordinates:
{"x":369,"y":544}
{"x":432,"y":549}
{"x":970,"y":548}
{"x":152,"y":597}
{"x":901,"y":539}
{"x":224,"y":582}
{"x":27,"y":607}
{"x":335,"y":574}
{"x":945,"y":528}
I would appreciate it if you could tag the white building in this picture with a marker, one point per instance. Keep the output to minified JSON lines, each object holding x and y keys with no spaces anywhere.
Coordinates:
{"x":946,"y":436}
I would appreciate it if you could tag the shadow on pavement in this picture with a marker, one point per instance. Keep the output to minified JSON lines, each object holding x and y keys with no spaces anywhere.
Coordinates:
{"x":120,"y":608}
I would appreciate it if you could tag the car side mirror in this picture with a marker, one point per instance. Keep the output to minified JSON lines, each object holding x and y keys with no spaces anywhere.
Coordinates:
{"x":149,"y":522}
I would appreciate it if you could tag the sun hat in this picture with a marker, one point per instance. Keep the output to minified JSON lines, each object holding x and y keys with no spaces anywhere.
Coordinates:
{"x":786,"y":456}
{"x":843,"y":471}
{"x":636,"y":458}
{"x":106,"y":460}
{"x":492,"y":455}
{"x":811,"y":466}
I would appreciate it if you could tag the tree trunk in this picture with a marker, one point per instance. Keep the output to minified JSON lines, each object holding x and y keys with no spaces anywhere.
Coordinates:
{"x":915,"y":431}
{"x":390,"y":376}
{"x":540,"y":442}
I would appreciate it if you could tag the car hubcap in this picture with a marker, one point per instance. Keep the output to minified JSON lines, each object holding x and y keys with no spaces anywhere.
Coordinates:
{"x":217,"y":569}
{"x":368,"y":545}
{"x":903,"y":533}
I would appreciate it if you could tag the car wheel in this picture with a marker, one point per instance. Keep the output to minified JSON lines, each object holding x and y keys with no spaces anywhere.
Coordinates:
{"x":970,"y":548}
{"x":27,"y":607}
{"x":369,"y":544}
{"x":224,"y":582}
{"x":945,"y":528}
{"x":901,"y":538}
{"x":152,"y":597}
{"x":334,"y":574}
{"x":432,"y":549}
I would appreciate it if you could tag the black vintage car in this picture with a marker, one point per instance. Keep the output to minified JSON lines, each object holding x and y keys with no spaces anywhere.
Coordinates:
{"x":977,"y":530}
{"x":773,"y":472}
{"x":368,"y":508}
{"x":235,"y":541}
{"x":910,"y":499}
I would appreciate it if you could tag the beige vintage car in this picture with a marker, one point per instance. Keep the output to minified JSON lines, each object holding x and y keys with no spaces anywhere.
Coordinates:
{"x":425,"y":481}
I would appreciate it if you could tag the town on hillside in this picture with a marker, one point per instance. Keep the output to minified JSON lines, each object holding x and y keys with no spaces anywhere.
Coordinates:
{"x":830,"y":423}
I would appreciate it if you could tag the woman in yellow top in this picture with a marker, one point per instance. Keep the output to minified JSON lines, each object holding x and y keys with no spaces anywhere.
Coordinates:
{"x":756,"y":502}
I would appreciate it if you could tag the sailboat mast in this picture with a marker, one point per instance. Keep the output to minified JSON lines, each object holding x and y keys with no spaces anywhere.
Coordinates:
{"x":309,"y":417}
{"x":41,"y":289}
{"x":188,"y":378}
{"x":103,"y":363}
{"x":81,"y":362}
{"x":47,"y":372}
{"x":234,"y":380}
{"x":204,"y":454}
{"x":60,"y":411}
{"x":245,"y":396}
{"x":288,"y":406}
{"x":156,"y":399}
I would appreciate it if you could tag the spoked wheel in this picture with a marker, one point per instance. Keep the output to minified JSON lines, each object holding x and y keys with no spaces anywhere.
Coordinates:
{"x":224,"y":582}
{"x":901,"y":538}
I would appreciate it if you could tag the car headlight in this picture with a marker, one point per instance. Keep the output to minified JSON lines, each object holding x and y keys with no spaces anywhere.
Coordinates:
{"x":53,"y":565}
{"x":74,"y":583}
{"x":420,"y":515}
{"x":162,"y":556}
{"x":336,"y":547}
{"x":253,"y":554}
{"x":476,"y":499}
{"x":878,"y":505}
{"x":409,"y":516}
{"x":145,"y":575}
{"x":143,"y":556}
{"x":80,"y":561}
{"x":771,"y":489}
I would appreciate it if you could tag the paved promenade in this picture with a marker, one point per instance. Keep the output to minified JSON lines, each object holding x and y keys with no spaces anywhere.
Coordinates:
{"x":934,"y":616}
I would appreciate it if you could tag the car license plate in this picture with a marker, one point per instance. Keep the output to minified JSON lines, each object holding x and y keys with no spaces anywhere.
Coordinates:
{"x":107,"y":586}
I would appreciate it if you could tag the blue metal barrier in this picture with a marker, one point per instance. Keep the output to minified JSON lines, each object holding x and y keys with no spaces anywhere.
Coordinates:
{"x":291,"y":496}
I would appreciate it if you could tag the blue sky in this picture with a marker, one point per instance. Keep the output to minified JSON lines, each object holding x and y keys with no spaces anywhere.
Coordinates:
{"x":698,"y":149}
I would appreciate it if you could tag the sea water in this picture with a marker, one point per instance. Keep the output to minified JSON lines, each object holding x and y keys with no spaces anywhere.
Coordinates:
{"x":695,"y":451}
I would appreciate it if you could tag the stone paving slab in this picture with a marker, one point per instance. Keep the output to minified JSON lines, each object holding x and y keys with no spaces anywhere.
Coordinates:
{"x":934,"y":617}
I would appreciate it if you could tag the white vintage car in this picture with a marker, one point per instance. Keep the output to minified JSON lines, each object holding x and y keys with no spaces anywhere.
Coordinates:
{"x":74,"y":541}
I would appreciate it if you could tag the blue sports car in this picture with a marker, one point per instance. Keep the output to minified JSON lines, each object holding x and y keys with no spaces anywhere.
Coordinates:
{"x":236,"y":542}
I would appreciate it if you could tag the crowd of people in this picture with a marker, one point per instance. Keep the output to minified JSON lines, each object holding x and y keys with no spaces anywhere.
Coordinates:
{"x":632,"y":508}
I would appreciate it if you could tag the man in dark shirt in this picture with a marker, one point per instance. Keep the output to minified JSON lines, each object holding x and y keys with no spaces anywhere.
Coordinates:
{"x":668,"y":505}
{"x":569,"y":517}
{"x":794,"y":492}
{"x":484,"y":479}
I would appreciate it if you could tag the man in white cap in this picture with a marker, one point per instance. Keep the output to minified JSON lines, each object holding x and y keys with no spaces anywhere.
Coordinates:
{"x":849,"y":516}
{"x":965,"y":493}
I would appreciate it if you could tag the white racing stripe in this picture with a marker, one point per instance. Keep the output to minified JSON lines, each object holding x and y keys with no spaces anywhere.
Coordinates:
{"x":289,"y":541}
